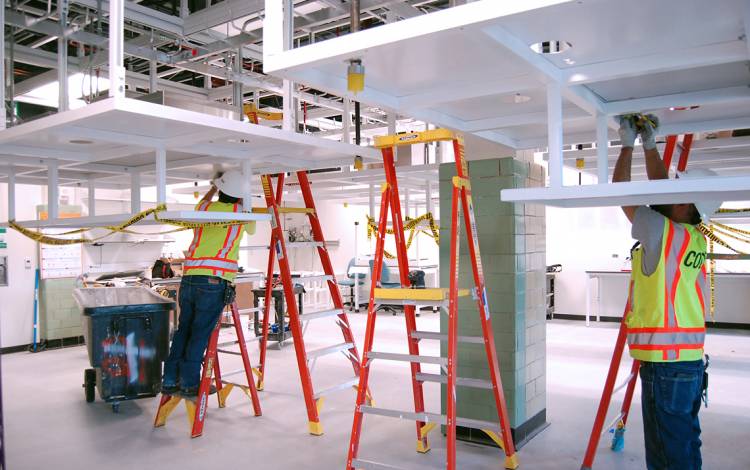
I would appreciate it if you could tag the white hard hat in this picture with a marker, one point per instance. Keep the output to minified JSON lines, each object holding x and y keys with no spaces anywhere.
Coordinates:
{"x":706,"y":209}
{"x":233,"y":183}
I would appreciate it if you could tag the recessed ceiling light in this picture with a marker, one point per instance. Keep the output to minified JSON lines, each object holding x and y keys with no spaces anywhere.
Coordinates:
{"x":550,"y":47}
{"x":516,"y":98}
{"x":81,"y":142}
{"x":569,"y":61}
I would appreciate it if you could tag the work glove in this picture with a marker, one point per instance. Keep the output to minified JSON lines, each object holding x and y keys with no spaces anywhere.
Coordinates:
{"x":648,"y":132}
{"x":627,"y":131}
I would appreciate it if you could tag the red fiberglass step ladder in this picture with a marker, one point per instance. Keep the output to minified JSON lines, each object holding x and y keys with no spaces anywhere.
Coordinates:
{"x":498,"y":430}
{"x":618,"y":425}
{"x":196,"y":408}
{"x":305,"y":359}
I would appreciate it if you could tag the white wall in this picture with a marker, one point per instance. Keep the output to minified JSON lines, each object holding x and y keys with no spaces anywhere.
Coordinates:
{"x":17,"y":299}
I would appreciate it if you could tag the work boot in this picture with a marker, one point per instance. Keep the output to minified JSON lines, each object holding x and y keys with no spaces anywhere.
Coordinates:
{"x":169,"y":389}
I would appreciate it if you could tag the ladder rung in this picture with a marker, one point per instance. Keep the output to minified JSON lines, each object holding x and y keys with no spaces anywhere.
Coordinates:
{"x":329,"y":350}
{"x":430,"y":418}
{"x":624,"y":384}
{"x":460,"y":381}
{"x":407,"y":358}
{"x":442,"y":337}
{"x":322,"y":314}
{"x":342,"y":386}
{"x":233,"y":342}
{"x":321,"y":277}
{"x":247,"y":311}
{"x":226,"y":351}
{"x":370,"y":465}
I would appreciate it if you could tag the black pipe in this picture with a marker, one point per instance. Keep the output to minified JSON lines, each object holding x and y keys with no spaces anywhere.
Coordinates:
{"x":357,"y":124}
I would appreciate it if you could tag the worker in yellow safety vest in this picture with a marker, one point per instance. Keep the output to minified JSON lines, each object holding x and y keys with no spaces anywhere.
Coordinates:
{"x":208,"y":273}
{"x":665,"y":317}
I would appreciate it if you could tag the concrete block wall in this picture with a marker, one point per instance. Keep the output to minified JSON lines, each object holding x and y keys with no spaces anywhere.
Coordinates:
{"x":58,"y":312}
{"x":512,"y":247}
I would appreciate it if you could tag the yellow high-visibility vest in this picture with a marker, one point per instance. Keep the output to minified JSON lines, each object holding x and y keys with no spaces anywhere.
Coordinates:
{"x":214,"y":250}
{"x":666,"y":315}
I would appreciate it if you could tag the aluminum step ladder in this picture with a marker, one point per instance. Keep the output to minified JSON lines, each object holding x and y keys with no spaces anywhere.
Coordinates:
{"x":278,"y":253}
{"x":197,"y":407}
{"x":498,"y":430}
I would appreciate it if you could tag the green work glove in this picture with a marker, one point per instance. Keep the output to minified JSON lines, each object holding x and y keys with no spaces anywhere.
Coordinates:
{"x":627,"y":131}
{"x":648,"y":134}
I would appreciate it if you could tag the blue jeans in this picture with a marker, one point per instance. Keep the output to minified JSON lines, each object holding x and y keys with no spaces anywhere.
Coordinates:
{"x":201,"y":303}
{"x":671,"y":399}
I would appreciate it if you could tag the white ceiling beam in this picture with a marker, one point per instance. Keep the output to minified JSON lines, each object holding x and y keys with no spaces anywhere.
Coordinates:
{"x":717,"y":96}
{"x":404,"y":10}
{"x":43,"y":152}
{"x":463,"y":91}
{"x":221,"y":13}
{"x":512,"y":120}
{"x":712,"y":54}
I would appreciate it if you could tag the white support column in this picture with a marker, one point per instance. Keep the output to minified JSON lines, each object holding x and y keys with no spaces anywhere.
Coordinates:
{"x":273,"y":29}
{"x":153,"y":77}
{"x":346,"y":121}
{"x":12,"y":194}
{"x":602,"y":148}
{"x":391,"y":120}
{"x":247,"y":198}
{"x":407,"y":206}
{"x":184,"y":9}
{"x":92,"y":198}
{"x":554,"y":134}
{"x":3,"y":67}
{"x":116,"y":60}
{"x":237,"y":97}
{"x":63,"y":103}
{"x":135,"y":192}
{"x":289,"y":107}
{"x":428,"y":197}
{"x":161,"y":176}
{"x":53,"y":197}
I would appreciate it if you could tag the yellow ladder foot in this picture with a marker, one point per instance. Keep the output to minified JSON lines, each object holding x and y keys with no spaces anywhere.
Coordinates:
{"x":511,"y":462}
{"x":316,"y":429}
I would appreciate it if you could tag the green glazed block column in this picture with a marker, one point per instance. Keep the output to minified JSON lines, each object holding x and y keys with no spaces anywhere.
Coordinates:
{"x":512,"y":246}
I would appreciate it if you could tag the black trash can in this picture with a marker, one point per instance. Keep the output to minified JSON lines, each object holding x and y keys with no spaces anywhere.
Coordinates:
{"x":127,"y":336}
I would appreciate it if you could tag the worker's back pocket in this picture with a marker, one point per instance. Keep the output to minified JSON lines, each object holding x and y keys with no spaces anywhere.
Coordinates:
{"x":678,"y":387}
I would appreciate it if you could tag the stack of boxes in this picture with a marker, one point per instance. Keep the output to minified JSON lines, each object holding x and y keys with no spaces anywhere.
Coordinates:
{"x":59,"y":315}
{"x":512,"y":245}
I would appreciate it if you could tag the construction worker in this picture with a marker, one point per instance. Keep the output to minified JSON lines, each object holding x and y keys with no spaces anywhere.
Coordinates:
{"x":666,"y":310}
{"x":208,"y":272}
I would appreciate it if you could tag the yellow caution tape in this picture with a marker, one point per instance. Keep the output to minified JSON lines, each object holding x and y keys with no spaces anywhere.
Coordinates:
{"x":409,"y":224}
{"x":122,"y":228}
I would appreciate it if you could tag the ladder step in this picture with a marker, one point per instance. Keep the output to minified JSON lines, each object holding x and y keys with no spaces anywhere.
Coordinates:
{"x":303,"y":244}
{"x":437,"y":294}
{"x":342,"y":386}
{"x":329,"y":350}
{"x":442,"y":337}
{"x":321,"y":277}
{"x":460,"y":381}
{"x":233,"y":342}
{"x":430,"y":418}
{"x":407,"y":358}
{"x":322,"y":314}
{"x":226,"y":351}
{"x":248,"y":311}
{"x":234,"y":372}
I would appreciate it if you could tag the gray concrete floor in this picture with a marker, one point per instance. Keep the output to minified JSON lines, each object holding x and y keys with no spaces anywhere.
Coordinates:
{"x":49,"y":425}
